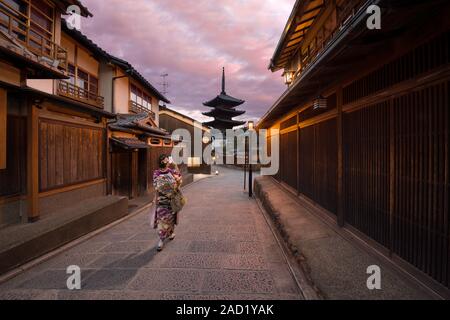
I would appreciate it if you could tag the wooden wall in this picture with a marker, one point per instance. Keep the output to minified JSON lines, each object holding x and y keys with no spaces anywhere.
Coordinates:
{"x":69,"y":154}
{"x":288,"y":151}
{"x":366,"y":170}
{"x":318,"y":163}
{"x":421,"y":229}
{"x":13,"y":178}
{"x":3,"y":112}
{"x":395,"y":157}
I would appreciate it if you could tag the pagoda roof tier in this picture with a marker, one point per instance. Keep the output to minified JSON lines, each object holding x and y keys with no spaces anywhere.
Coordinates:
{"x":224,"y":112}
{"x":223,"y":100}
{"x":221,"y":123}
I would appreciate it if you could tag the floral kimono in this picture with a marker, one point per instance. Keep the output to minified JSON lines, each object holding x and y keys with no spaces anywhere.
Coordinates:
{"x":165,"y":185}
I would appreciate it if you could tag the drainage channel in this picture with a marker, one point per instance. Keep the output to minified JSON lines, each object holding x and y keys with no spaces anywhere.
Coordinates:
{"x":305,"y":290}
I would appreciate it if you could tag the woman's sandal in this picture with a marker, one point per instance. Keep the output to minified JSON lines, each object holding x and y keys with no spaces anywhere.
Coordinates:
{"x":160,"y":246}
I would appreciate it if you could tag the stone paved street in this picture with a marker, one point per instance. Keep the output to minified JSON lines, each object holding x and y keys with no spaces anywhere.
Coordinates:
{"x":223,"y":250}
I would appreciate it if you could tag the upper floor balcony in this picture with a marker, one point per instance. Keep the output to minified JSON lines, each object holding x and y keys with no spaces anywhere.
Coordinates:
{"x":74,"y":92}
{"x":312,"y":29}
{"x":32,"y":35}
{"x":137,"y":108}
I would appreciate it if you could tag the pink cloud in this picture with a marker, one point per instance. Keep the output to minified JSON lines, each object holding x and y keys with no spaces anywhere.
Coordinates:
{"x":192,"y":40}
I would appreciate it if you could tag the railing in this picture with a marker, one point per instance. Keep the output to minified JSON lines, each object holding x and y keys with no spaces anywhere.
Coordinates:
{"x":72,"y":91}
{"x":137,"y":108}
{"x":48,"y":51}
{"x":344,"y":11}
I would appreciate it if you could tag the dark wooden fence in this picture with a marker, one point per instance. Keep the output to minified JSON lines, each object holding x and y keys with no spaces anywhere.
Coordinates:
{"x":288,"y":159}
{"x":395,"y":159}
{"x":366,"y":171}
{"x":421,"y":188}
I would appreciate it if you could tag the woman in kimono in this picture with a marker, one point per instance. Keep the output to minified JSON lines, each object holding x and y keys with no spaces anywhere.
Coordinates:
{"x":165,"y":182}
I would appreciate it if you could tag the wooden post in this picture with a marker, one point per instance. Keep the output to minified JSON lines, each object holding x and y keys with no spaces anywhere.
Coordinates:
{"x":391,"y":176}
{"x":33,"y":163}
{"x":340,"y":184}
{"x":134,"y":174}
{"x":3,"y":129}
{"x":108,"y":158}
{"x":298,"y":154}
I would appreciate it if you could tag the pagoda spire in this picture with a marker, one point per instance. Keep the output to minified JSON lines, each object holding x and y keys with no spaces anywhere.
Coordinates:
{"x":223,"y":81}
{"x":223,"y":109}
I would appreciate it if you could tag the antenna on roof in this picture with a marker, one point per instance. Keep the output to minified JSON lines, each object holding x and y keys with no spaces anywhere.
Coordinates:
{"x":164,"y":84}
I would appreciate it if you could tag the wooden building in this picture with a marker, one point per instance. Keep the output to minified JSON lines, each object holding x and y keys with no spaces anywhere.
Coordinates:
{"x":57,"y":102}
{"x":53,"y":124}
{"x":134,"y":139}
{"x":172,"y":120}
{"x":364,"y":124}
{"x":136,"y":144}
{"x":135,"y":152}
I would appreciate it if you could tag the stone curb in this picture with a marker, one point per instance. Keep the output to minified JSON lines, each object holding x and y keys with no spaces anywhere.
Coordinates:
{"x":299,"y":257}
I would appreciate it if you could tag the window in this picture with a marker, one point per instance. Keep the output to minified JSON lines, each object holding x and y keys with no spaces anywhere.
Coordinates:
{"x":93,"y":84}
{"x":18,"y":10}
{"x":147,"y":102}
{"x":41,"y":25}
{"x":155,"y":142}
{"x":134,"y":93}
{"x":71,"y":72}
{"x":83,"y":80}
{"x":32,"y":23}
{"x":17,"y":6}
{"x":138,"y":96}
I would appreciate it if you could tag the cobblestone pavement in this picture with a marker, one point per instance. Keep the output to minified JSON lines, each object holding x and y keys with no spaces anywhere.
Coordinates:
{"x":223,"y":250}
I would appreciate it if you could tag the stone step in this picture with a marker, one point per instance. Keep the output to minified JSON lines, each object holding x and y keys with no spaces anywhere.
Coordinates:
{"x":22,"y":243}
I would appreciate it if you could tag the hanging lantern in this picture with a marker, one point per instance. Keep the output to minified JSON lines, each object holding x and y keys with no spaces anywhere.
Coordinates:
{"x":288,"y":77}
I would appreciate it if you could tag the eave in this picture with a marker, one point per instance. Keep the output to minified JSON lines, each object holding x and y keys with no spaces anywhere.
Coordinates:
{"x":218,"y":111}
{"x":348,"y":50}
{"x":224,"y":100}
{"x":223,"y":123}
{"x":136,"y":75}
{"x":64,"y":4}
{"x":301,"y":19}
{"x":33,"y":68}
{"x":72,"y":104}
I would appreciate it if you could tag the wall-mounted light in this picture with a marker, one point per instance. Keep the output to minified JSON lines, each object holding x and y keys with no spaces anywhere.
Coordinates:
{"x":288,"y":76}
{"x":205,"y":139}
{"x":320,"y":103}
{"x":251,"y":125}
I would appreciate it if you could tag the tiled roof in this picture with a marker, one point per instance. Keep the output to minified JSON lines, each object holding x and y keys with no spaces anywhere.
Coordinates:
{"x":134,"y":73}
{"x":88,"y":43}
{"x":130,"y":143}
{"x":136,"y":122}
{"x":224,"y":99}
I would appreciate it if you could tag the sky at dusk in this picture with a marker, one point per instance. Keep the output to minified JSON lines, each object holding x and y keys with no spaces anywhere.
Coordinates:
{"x":191,"y":40}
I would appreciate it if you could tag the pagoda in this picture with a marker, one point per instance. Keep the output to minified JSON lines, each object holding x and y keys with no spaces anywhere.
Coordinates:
{"x":223,"y":110}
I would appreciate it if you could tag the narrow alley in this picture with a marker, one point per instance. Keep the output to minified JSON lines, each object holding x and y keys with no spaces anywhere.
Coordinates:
{"x":224,"y":249}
